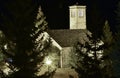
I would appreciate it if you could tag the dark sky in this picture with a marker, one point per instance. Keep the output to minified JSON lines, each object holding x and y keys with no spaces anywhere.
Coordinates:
{"x":57,"y":13}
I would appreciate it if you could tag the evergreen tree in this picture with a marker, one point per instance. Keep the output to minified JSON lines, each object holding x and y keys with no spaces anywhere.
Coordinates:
{"x":92,"y":59}
{"x":88,"y":60}
{"x":116,"y":52}
{"x":2,"y":43}
{"x":107,"y":37}
{"x":25,"y":41}
{"x":108,"y":40}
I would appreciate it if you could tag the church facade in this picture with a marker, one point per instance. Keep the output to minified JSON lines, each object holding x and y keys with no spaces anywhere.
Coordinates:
{"x":65,"y":39}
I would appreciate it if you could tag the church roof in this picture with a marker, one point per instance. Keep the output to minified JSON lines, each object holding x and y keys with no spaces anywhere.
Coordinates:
{"x":67,"y":37}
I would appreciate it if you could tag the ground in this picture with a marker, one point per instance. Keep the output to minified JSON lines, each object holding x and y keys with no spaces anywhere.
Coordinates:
{"x":65,"y":73}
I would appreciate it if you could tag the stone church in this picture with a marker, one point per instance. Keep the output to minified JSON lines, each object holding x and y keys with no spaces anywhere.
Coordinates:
{"x":64,"y":39}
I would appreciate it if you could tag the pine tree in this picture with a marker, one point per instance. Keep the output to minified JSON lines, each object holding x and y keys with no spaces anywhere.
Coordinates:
{"x":91,"y":60}
{"x":25,"y":38}
{"x":116,"y":52}
{"x":108,"y":40}
{"x":107,"y":37}
{"x":40,"y":24}
{"x":2,"y":43}
{"x":88,"y":60}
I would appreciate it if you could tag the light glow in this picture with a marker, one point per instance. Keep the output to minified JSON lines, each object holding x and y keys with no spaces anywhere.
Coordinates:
{"x":48,"y":61}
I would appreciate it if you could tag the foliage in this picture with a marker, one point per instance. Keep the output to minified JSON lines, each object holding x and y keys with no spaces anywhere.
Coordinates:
{"x":116,"y":52}
{"x":24,"y":38}
{"x":92,"y":59}
{"x":88,"y":60}
{"x":2,"y":43}
{"x":117,"y":16}
{"x":108,"y":40}
{"x":50,"y":53}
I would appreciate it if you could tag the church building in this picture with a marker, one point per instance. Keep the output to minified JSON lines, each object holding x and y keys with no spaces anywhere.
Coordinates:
{"x":65,"y":39}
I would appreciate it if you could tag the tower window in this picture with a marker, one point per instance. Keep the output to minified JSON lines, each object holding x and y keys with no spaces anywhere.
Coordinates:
{"x":72,"y":14}
{"x":80,"y":13}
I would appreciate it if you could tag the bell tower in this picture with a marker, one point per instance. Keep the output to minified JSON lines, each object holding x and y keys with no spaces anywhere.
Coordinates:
{"x":77,"y":16}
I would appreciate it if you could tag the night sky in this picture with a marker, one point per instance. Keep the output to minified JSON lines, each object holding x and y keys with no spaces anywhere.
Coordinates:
{"x":57,"y":13}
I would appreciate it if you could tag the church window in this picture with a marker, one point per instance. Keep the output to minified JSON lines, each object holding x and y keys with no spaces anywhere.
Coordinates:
{"x":72,"y":14}
{"x":80,"y":13}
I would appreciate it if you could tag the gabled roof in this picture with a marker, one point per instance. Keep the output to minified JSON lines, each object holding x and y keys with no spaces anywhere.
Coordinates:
{"x":67,"y":38}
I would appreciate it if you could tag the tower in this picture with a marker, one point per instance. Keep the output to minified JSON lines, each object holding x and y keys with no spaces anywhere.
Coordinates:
{"x":77,"y":17}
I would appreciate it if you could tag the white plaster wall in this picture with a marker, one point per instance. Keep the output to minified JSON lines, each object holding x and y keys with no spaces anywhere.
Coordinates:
{"x":76,"y":21}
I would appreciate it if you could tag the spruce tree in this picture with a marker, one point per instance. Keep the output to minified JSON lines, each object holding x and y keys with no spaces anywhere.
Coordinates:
{"x":116,"y":52}
{"x":2,"y":43}
{"x":88,"y":59}
{"x":92,"y":59}
{"x":25,"y":38}
{"x":108,"y":40}
{"x":107,"y":37}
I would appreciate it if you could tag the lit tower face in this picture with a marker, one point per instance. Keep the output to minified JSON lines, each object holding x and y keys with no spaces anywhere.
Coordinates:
{"x":77,"y":17}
